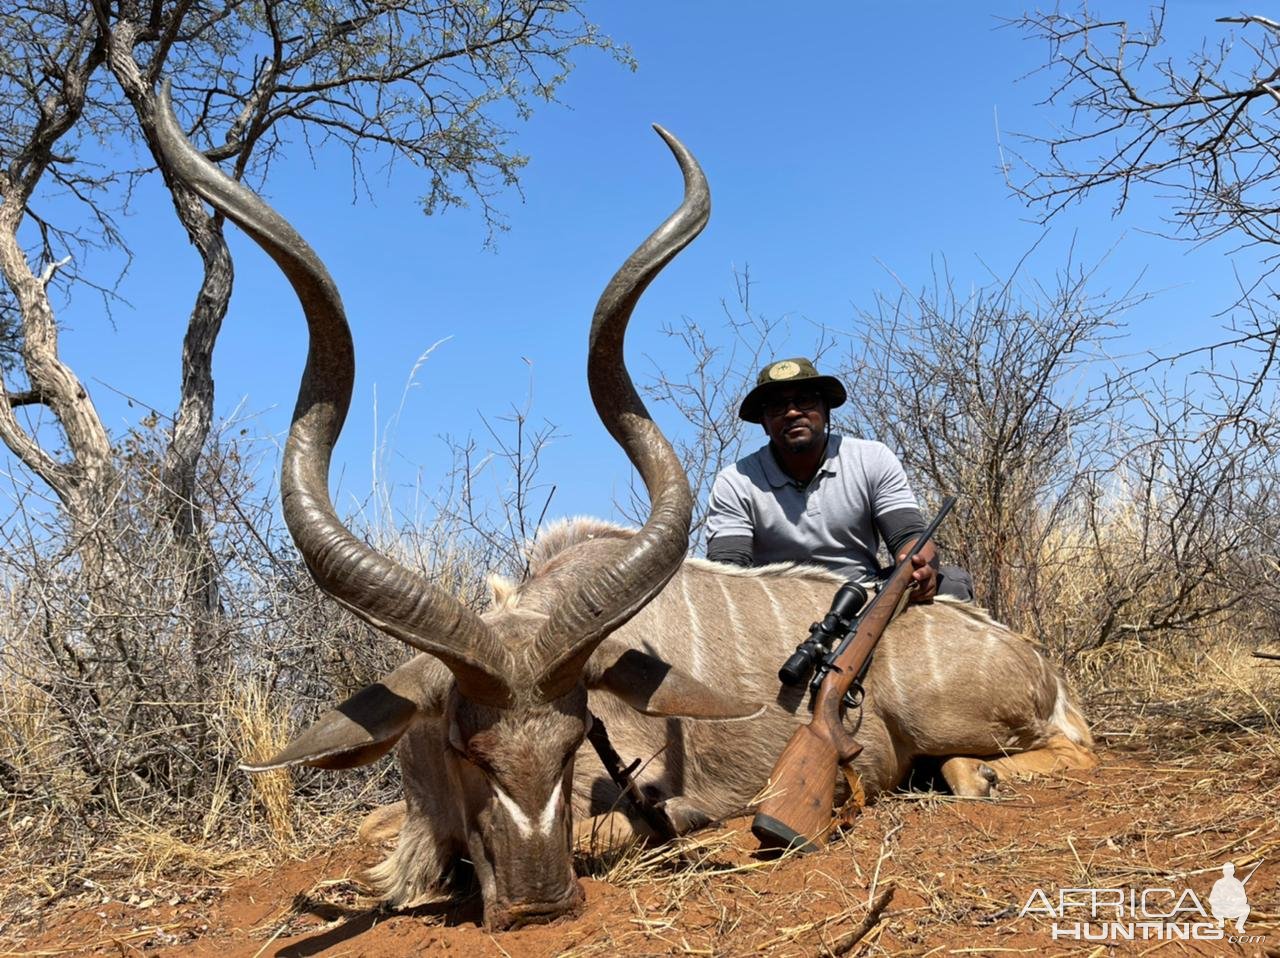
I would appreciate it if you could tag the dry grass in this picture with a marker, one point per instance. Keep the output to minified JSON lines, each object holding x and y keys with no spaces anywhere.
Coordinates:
{"x":123,"y":719}
{"x":261,"y":731}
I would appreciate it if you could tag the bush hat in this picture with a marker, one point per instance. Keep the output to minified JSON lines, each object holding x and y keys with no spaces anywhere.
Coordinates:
{"x":790,"y":372}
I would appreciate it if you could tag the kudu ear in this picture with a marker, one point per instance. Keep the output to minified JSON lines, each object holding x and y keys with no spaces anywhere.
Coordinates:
{"x":654,"y":687}
{"x":366,"y":726}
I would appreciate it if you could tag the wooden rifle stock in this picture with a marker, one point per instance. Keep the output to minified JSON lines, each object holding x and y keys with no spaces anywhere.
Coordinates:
{"x":796,"y":811}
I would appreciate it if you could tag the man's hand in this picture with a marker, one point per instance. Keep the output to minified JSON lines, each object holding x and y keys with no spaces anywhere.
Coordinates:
{"x":925,"y":573}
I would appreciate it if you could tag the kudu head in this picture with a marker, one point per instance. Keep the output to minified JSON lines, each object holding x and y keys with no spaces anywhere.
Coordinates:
{"x":516,"y":708}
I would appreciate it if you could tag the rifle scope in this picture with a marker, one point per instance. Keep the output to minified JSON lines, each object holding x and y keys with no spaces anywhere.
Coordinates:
{"x":850,"y":598}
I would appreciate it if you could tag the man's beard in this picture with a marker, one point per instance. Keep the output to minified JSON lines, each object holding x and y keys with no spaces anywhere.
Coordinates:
{"x":802,"y":442}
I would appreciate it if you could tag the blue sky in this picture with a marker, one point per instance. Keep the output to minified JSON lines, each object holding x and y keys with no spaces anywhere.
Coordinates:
{"x":845,"y":144}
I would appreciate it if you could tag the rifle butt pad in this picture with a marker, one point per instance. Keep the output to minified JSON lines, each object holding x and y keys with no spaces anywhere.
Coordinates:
{"x":797,"y":809}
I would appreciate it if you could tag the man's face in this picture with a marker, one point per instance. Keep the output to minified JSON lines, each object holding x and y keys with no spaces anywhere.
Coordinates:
{"x":795,"y":417}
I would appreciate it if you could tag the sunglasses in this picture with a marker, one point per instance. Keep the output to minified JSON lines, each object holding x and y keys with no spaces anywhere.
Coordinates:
{"x":804,"y":402}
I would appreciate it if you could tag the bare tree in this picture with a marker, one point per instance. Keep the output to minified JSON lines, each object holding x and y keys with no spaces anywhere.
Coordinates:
{"x":1205,"y":134}
{"x":991,"y":396}
{"x":1180,"y":528}
{"x":1185,"y":512}
{"x":503,"y":519}
{"x":395,"y":80}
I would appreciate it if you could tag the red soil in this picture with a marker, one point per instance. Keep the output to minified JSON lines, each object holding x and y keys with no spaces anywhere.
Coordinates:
{"x":961,"y":872}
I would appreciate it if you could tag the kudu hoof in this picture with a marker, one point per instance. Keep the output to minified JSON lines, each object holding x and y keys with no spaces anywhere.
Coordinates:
{"x":970,"y":777}
{"x":685,"y":816}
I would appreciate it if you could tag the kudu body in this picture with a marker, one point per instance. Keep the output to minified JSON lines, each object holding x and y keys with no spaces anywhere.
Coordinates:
{"x":490,"y":720}
{"x":947,"y":681}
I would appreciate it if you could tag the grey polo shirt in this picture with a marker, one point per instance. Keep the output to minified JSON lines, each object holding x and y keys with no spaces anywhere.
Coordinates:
{"x":830,"y":522}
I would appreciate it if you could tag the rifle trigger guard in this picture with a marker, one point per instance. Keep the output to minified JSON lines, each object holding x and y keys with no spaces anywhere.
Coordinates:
{"x":853,"y":696}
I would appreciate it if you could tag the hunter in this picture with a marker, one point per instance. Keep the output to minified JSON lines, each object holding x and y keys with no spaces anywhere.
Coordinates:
{"x":814,"y":496}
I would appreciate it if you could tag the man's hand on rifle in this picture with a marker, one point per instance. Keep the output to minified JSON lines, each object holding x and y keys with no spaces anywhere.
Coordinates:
{"x":925,"y":573}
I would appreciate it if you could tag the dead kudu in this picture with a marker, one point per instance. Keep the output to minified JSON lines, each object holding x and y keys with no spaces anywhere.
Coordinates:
{"x":490,"y":720}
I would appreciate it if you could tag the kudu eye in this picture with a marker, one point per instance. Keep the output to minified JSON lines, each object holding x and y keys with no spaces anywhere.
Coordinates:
{"x":457,"y":746}
{"x":462,"y":751}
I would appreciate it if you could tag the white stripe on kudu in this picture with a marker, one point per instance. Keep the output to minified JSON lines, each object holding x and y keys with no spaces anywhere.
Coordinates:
{"x":731,"y":609}
{"x":780,"y":622}
{"x":695,"y":626}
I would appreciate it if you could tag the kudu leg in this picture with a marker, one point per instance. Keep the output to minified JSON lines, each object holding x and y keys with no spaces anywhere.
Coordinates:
{"x":1056,"y":755}
{"x":977,"y":778}
{"x":612,"y":830}
{"x":382,"y":825}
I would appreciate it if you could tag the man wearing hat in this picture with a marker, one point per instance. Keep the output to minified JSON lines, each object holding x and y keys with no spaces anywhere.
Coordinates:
{"x":817,"y":497}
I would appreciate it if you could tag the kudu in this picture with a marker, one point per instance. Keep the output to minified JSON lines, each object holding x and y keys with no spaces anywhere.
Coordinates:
{"x":490,"y":719}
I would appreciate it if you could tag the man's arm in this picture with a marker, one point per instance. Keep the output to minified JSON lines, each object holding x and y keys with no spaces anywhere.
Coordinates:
{"x":899,"y":522}
{"x":730,"y":530}
{"x":900,"y":529}
{"x":733,"y":550}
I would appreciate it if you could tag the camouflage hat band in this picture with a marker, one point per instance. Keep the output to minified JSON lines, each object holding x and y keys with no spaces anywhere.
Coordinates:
{"x":786,"y":372}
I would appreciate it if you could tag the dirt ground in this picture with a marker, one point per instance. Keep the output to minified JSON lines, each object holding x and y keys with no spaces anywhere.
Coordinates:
{"x":1165,"y":810}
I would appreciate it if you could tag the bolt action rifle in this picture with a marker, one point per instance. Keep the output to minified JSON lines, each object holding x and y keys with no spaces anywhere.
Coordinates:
{"x":797,"y":808}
